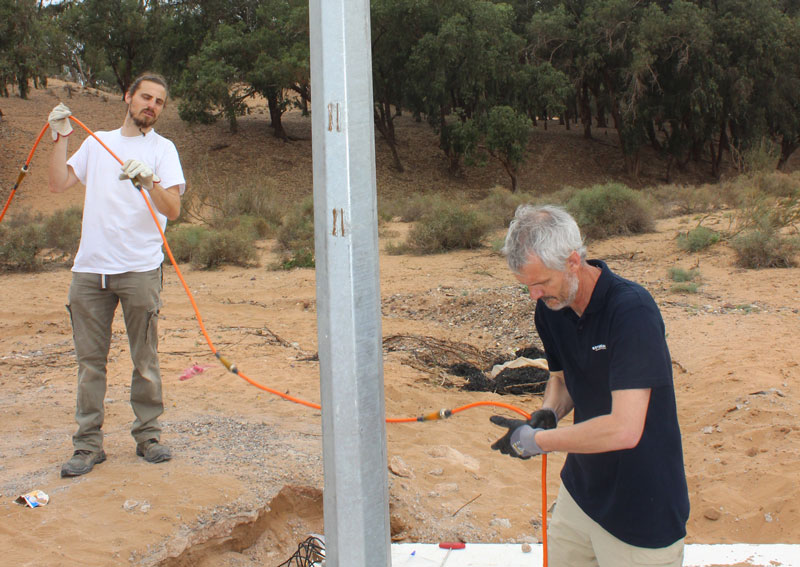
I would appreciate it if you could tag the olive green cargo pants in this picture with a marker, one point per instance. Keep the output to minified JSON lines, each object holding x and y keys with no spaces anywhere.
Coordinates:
{"x":93,"y":299}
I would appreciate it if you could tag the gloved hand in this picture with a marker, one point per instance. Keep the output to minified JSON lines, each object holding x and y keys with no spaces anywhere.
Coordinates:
{"x":59,"y":121}
{"x":141,"y":174}
{"x":519,"y":441}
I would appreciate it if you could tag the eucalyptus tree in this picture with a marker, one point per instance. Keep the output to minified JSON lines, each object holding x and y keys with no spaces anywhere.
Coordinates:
{"x":263,"y":52}
{"x":23,"y":37}
{"x":397,"y":25}
{"x":754,"y":42}
{"x":462,"y":68}
{"x":126,"y":33}
{"x":507,"y":132}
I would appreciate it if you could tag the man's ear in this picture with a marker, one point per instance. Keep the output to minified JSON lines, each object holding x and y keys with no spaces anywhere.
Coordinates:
{"x":128,"y":97}
{"x":573,"y":261}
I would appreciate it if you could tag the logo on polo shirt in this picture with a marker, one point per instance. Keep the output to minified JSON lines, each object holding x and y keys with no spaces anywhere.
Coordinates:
{"x":599,"y":347}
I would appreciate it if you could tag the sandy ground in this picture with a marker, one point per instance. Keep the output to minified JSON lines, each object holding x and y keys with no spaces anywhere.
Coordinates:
{"x":246,"y":458}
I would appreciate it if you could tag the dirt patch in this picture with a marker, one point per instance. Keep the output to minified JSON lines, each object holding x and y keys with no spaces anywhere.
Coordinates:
{"x":263,"y":537}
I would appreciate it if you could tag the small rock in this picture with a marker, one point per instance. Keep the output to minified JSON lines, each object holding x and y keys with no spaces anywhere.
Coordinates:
{"x":752,"y":452}
{"x":768,"y":517}
{"x":400,"y":468}
{"x":436,"y":472}
{"x":129,"y":505}
{"x":145,"y":507}
{"x":500,"y":523}
{"x":526,"y":548}
{"x":444,"y":487}
{"x":712,"y":514}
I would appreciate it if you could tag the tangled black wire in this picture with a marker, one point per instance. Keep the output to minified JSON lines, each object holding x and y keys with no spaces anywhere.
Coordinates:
{"x":310,"y":553}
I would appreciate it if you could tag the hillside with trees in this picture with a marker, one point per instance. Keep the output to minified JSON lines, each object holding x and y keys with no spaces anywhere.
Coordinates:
{"x":695,"y":81}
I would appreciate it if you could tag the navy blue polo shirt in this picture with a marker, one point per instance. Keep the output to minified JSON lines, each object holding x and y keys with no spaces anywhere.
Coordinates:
{"x":639,"y":495}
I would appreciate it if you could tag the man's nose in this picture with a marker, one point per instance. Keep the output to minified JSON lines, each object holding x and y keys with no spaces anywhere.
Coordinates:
{"x":535,"y":292}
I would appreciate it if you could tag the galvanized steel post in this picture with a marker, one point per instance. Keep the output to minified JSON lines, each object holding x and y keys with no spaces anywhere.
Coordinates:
{"x":348,"y":286}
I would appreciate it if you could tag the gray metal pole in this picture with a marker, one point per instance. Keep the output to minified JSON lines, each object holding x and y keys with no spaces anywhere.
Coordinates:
{"x":356,"y":497}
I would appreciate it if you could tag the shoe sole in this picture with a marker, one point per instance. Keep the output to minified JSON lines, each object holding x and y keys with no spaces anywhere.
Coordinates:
{"x":67,"y":472}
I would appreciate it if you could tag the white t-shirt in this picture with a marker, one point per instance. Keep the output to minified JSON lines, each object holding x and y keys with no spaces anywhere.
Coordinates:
{"x":118,"y":233}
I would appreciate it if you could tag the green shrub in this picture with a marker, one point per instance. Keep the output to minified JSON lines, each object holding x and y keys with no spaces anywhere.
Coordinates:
{"x":611,"y":209}
{"x":252,"y":200}
{"x":24,"y":236}
{"x":184,"y":240}
{"x":19,"y":245}
{"x":448,"y":228}
{"x":208,"y":248}
{"x":765,"y":247}
{"x":682,"y":275}
{"x":500,"y":204}
{"x":62,"y":230}
{"x":220,"y":247}
{"x":686,"y":199}
{"x":417,"y":206}
{"x":778,"y":184}
{"x":685,"y":287}
{"x":697,"y":239}
{"x":296,"y":236}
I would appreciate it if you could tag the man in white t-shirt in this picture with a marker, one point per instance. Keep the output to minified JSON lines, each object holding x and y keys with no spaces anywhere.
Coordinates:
{"x":119,"y":262}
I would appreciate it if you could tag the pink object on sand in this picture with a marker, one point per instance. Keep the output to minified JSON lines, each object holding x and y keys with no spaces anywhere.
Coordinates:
{"x":193,"y":370}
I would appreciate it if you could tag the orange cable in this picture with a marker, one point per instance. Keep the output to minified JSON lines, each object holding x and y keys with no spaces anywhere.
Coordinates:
{"x":23,"y":171}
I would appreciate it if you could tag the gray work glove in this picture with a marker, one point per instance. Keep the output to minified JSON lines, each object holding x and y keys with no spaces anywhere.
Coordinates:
{"x":141,"y":174}
{"x":59,"y":121}
{"x":519,"y":441}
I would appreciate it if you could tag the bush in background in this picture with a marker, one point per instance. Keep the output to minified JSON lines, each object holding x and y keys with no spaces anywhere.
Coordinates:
{"x":208,"y":248}
{"x":19,"y":246}
{"x":765,"y":248}
{"x":62,"y":231}
{"x":24,"y":238}
{"x":500,"y":204}
{"x":685,"y":280}
{"x":611,"y":209}
{"x":448,"y":227}
{"x":296,"y":237}
{"x":697,"y":239}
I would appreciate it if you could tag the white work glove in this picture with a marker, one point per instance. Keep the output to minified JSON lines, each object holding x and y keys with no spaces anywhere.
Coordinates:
{"x":141,"y":174}
{"x":59,"y":121}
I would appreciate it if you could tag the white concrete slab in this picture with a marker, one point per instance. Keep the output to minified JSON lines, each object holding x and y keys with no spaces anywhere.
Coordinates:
{"x":511,"y":555}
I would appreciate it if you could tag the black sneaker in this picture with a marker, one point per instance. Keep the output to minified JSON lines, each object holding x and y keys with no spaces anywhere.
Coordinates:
{"x":82,"y":461}
{"x":153,"y":451}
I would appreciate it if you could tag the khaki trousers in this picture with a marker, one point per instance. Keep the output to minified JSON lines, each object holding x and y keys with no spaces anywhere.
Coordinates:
{"x":575,"y":540}
{"x":93,"y":299}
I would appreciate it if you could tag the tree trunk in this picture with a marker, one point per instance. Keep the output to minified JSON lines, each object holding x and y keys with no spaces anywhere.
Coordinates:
{"x":787,"y":149}
{"x":586,"y":111}
{"x":275,"y":114}
{"x":384,"y":122}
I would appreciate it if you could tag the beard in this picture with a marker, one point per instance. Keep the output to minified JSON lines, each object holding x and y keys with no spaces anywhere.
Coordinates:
{"x":143,"y":121}
{"x":564,"y":301}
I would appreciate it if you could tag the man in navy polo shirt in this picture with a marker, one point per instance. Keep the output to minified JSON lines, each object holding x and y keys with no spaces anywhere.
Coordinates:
{"x":623,"y":499}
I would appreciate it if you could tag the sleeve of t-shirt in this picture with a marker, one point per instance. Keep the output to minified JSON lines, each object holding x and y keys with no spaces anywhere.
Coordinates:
{"x":550,"y":351}
{"x":80,"y":160}
{"x":638,"y":348}
{"x":169,"y":167}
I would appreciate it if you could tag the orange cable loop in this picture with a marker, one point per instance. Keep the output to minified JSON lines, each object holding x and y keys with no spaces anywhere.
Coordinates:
{"x":442,"y":414}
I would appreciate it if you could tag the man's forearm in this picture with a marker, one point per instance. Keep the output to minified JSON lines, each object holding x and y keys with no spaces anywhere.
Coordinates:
{"x":167,"y":201}
{"x":556,"y":396}
{"x":58,"y":171}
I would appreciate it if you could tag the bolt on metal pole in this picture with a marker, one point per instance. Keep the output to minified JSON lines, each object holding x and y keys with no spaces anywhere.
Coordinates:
{"x":356,"y":496}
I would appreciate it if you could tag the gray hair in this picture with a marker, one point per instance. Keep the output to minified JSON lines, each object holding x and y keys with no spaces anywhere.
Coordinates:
{"x":547,"y":231}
